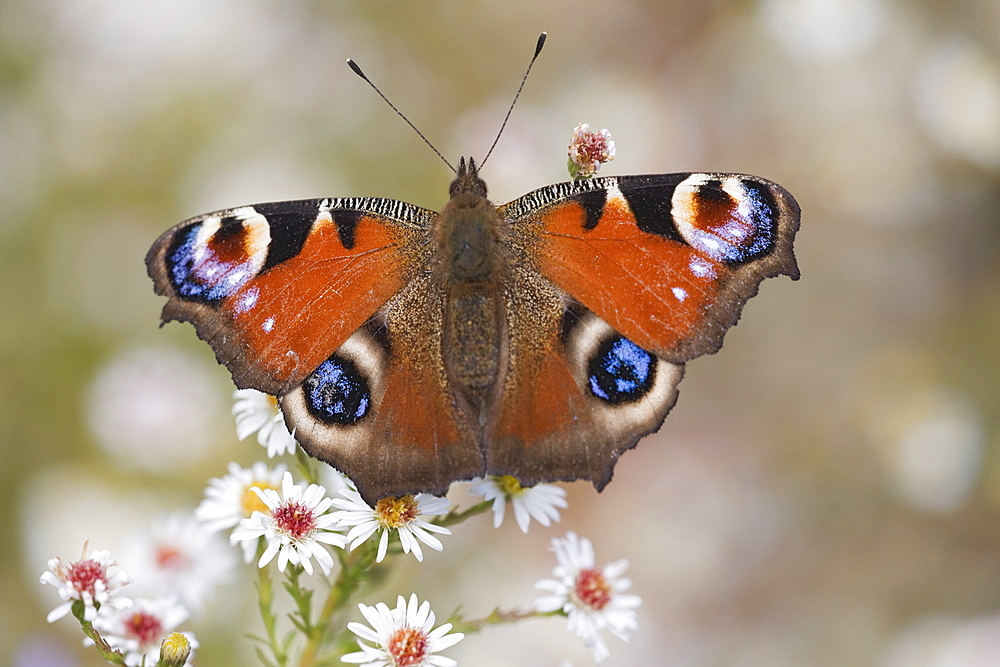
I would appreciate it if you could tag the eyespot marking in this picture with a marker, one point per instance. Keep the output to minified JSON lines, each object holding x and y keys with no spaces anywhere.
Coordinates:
{"x":337,"y":393}
{"x":621,"y":371}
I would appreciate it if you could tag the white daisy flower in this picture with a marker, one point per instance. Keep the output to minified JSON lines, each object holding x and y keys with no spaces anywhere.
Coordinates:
{"x":230,"y":499}
{"x":179,"y":555}
{"x":591,"y":597}
{"x":540,"y":502}
{"x":404,"y":515}
{"x":402,"y":636}
{"x":137,"y":631}
{"x":257,"y":412}
{"x":294,"y":525}
{"x":90,"y":580}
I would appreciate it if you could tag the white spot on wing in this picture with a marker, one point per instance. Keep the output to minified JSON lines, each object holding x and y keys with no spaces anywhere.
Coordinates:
{"x":268,"y":325}
{"x":247,"y":300}
{"x":701,"y":268}
{"x":680,"y":293}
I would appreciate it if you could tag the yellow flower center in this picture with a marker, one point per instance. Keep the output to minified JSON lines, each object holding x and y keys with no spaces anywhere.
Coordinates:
{"x":509,"y":486}
{"x":250,"y":501}
{"x":393,"y":512}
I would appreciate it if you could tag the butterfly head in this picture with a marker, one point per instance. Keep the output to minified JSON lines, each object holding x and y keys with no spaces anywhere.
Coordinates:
{"x":467,"y":180}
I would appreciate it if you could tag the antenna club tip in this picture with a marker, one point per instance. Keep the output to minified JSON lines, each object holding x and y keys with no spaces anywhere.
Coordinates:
{"x":540,"y":43}
{"x":356,"y":69}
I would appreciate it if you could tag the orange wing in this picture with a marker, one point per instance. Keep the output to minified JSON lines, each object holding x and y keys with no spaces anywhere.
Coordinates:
{"x":668,"y":260}
{"x":276,"y":288}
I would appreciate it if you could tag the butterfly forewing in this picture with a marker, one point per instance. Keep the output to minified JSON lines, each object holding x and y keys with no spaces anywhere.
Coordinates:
{"x":276,"y":288}
{"x":668,"y":260}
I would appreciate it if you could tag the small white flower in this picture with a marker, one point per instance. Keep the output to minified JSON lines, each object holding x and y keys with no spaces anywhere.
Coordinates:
{"x":404,"y":514}
{"x":88,"y":579}
{"x":178,"y":554}
{"x":230,"y":499}
{"x":257,"y":412}
{"x":402,"y":636}
{"x":591,"y":597}
{"x":540,"y":502}
{"x":589,"y":150}
{"x":294,"y":525}
{"x":138,"y":630}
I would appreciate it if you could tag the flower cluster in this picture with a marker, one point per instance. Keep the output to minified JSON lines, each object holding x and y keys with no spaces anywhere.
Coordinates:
{"x":589,"y":150}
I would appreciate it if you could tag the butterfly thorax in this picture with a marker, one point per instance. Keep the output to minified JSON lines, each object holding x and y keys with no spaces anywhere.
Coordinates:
{"x":468,"y":265}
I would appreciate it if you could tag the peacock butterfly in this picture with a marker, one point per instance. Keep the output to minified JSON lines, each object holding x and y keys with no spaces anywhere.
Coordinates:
{"x":539,"y":338}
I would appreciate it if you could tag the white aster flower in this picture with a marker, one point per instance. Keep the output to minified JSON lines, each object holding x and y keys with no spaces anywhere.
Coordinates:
{"x":230,"y":499}
{"x":404,"y":515}
{"x":294,"y":525}
{"x":179,"y":555}
{"x":589,"y":150}
{"x":90,"y":580}
{"x":591,"y":597}
{"x":540,"y":502}
{"x":402,"y":636}
{"x":138,"y":630}
{"x":257,"y":412}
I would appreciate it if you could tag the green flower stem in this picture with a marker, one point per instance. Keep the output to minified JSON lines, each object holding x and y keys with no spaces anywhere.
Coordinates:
{"x":108,"y":653}
{"x":265,"y":595}
{"x":452,"y":518}
{"x":354,"y":571}
{"x":496,"y":617}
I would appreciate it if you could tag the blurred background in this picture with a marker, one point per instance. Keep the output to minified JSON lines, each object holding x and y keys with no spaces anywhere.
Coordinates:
{"x":827,"y":489}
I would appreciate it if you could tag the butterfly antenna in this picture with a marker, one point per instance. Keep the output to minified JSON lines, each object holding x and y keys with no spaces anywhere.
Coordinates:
{"x":357,"y":70}
{"x":538,"y":49}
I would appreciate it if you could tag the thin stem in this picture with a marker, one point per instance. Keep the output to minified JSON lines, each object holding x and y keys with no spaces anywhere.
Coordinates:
{"x":108,"y":653}
{"x":265,"y":597}
{"x":354,"y":571}
{"x":496,"y":617}
{"x":453,"y":518}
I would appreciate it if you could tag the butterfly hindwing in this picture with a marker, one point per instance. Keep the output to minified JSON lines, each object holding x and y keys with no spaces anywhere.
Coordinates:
{"x":381,"y":409}
{"x":576,"y":394}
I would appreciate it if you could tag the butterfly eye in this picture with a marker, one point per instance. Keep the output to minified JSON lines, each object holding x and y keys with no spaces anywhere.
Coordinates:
{"x":621,"y":371}
{"x":337,"y":392}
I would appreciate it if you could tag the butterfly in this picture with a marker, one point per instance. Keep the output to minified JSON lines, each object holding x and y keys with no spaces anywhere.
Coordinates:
{"x":540,"y":338}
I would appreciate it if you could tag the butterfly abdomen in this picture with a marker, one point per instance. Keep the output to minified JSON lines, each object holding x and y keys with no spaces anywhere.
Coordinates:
{"x":469,"y":265}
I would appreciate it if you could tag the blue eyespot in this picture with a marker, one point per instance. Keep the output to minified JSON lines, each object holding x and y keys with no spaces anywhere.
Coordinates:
{"x":621,"y":371}
{"x":337,"y":392}
{"x":198,"y":273}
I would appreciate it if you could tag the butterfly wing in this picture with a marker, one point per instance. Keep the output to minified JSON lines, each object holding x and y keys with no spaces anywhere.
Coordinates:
{"x":646,"y":272}
{"x":668,"y":260}
{"x":314,"y":301}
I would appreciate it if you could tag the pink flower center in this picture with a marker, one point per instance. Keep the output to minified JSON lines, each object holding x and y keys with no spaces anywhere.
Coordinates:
{"x":407,"y":647}
{"x":170,"y":558}
{"x":144,"y":627}
{"x":83,"y":575}
{"x":593,"y":147}
{"x":592,"y":589}
{"x":295,"y":520}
